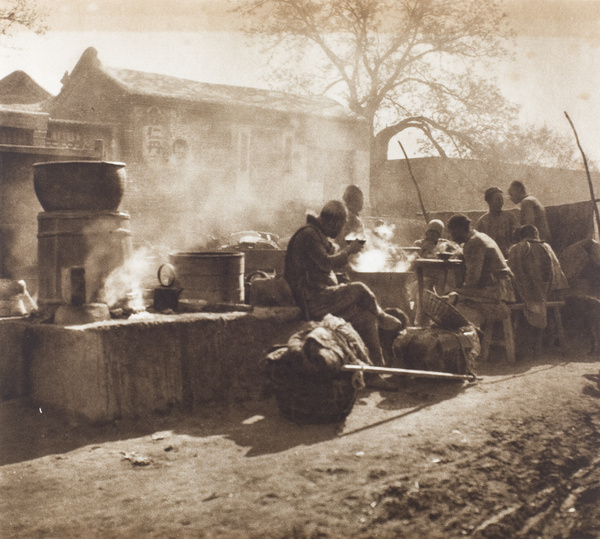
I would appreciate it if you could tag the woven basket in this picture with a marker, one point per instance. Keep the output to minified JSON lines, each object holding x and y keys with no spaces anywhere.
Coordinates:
{"x":442,"y":313}
{"x":310,"y":399}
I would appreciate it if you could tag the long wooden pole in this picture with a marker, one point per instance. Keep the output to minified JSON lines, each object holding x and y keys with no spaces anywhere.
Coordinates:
{"x":414,"y":180}
{"x":409,"y":372}
{"x":587,"y":171}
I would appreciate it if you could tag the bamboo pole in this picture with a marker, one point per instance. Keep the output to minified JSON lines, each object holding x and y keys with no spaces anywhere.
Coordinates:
{"x":587,"y":171}
{"x":414,"y":180}
{"x":409,"y":372}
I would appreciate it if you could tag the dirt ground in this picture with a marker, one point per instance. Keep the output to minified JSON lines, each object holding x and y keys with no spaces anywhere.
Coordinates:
{"x":515,"y":454}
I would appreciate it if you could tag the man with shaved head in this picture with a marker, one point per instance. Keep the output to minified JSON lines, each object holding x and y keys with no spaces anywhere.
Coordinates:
{"x":487,"y":285}
{"x":498,"y":224}
{"x":531,"y":210}
{"x":310,"y":265}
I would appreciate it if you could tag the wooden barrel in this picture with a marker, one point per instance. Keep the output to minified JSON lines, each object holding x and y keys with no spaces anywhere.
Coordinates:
{"x":214,"y":276}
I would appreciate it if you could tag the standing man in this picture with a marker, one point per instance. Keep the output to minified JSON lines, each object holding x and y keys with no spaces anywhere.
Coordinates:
{"x":532,"y":212}
{"x":310,"y":261}
{"x":498,"y":224}
{"x":354,"y":227}
{"x":488,"y":280}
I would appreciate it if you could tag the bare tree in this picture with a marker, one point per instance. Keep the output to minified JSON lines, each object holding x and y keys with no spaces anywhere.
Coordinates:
{"x":537,"y":145}
{"x":399,"y":63}
{"x":21,"y":14}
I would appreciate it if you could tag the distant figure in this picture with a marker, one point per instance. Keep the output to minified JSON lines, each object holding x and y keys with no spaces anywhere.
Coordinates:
{"x":354,"y":228}
{"x":497,"y":223}
{"x":310,"y":261}
{"x":488,"y":280}
{"x":532,"y":212}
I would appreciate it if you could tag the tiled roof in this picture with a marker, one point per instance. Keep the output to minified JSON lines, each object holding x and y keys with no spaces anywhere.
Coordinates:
{"x":167,"y":87}
{"x":19,"y":87}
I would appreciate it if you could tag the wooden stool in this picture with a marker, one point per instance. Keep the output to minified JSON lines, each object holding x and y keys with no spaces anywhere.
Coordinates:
{"x":508,"y":338}
{"x":554,"y":308}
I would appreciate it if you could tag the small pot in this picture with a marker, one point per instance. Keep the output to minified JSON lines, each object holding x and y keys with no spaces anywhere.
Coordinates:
{"x":166,"y":298}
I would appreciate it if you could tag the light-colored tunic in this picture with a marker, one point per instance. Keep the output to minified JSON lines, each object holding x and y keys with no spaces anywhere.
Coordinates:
{"x":533,"y":213}
{"x":499,"y":226}
{"x":537,"y":272}
{"x":488,"y":280}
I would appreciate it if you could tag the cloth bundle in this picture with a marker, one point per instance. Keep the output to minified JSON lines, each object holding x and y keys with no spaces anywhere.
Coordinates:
{"x":435,"y":349}
{"x":308,"y":382}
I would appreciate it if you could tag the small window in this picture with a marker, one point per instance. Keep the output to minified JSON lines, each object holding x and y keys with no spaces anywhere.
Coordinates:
{"x":16,"y":136}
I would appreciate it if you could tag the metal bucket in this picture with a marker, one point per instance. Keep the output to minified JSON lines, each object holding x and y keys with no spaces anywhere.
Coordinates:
{"x":214,"y":276}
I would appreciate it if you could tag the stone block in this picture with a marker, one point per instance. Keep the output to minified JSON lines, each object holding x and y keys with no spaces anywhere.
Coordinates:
{"x":118,"y":369}
{"x":12,"y":365}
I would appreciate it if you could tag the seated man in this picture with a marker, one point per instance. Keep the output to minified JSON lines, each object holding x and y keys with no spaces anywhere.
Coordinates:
{"x":433,"y":243}
{"x":498,"y":224}
{"x":537,"y":273}
{"x":310,"y":262}
{"x":487,"y":285}
{"x":436,"y":279}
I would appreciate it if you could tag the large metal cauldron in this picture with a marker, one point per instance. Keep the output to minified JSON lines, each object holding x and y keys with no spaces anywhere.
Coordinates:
{"x":79,"y":185}
{"x":390,"y":287}
{"x":214,"y":276}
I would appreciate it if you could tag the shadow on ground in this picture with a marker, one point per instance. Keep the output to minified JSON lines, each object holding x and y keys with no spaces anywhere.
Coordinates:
{"x":29,"y":432}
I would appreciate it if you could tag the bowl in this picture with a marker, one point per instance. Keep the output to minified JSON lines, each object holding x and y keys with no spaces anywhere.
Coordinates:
{"x":79,"y":185}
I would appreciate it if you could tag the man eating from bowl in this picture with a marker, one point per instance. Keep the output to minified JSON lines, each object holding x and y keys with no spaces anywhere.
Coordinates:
{"x":310,"y":264}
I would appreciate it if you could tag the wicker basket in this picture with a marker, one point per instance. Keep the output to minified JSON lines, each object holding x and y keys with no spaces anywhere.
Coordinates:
{"x":442,"y":313}
{"x":311,"y":399}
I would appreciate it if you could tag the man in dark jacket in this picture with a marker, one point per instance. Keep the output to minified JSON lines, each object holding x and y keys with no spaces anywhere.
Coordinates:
{"x":310,"y":265}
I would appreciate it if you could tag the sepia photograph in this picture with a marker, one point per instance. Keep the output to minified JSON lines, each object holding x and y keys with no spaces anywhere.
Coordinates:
{"x":300,"y":269}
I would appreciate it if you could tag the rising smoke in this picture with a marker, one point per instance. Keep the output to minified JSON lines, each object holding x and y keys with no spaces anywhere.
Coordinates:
{"x":381,"y":254}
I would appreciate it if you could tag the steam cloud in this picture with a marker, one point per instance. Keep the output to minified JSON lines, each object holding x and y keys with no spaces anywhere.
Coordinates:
{"x":380,"y":254}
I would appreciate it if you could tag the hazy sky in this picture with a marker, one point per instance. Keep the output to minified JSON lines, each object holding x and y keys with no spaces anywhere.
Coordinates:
{"x":531,"y":17}
{"x":556,"y":67}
